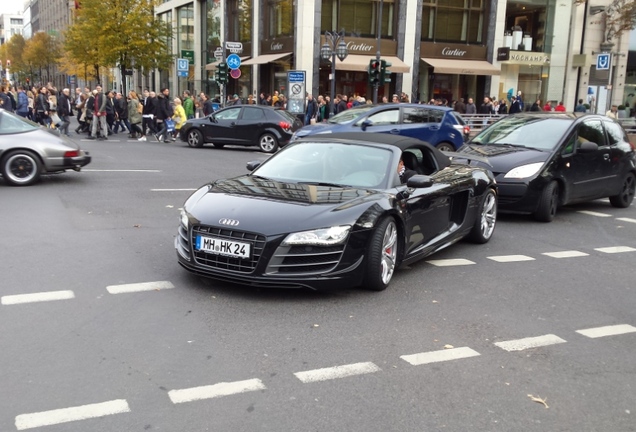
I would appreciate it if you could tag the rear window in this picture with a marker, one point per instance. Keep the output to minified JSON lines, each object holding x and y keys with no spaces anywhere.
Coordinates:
{"x":288,"y":116}
{"x":10,"y":124}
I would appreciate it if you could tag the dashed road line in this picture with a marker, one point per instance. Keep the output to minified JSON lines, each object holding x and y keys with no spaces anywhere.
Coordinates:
{"x":122,"y":170}
{"x":565,"y":254}
{"x":615,"y":249}
{"x":450,"y":262}
{"x":215,"y":390}
{"x":173,"y":190}
{"x":439,"y":356}
{"x":337,"y":372}
{"x":612,"y":330}
{"x":510,"y":258}
{"x":592,"y":213}
{"x":65,"y":415}
{"x":139,"y":287}
{"x":531,"y":342}
{"x":626,"y":220}
{"x":36,"y":297}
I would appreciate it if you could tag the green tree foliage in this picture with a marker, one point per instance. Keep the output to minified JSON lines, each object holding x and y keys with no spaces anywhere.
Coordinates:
{"x":41,"y":52}
{"x":621,"y":17}
{"x":119,"y":33}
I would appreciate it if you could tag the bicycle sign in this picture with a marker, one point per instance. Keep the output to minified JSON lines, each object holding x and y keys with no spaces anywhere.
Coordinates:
{"x":233,"y":61}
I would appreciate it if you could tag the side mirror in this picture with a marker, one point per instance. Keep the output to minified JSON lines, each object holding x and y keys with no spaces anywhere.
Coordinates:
{"x":365,"y":124}
{"x":252,"y":165}
{"x":212,"y":118}
{"x":419,"y":181}
{"x":588,"y":147}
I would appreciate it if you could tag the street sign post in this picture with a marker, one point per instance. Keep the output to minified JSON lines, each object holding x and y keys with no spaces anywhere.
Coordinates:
{"x":183,"y":67}
{"x":603,"y":61}
{"x":296,"y":98}
{"x":234,"y":47}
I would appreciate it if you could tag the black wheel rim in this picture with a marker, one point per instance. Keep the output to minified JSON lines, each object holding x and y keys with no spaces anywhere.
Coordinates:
{"x":629,"y":187}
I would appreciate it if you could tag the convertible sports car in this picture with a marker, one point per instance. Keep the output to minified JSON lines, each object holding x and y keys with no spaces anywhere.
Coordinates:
{"x":28,"y":150}
{"x":330,"y":212}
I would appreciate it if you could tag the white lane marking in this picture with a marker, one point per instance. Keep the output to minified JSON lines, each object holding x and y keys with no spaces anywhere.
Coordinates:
{"x":171,"y":190}
{"x":565,"y":254}
{"x":123,"y":170}
{"x":439,"y":356}
{"x":626,"y":220}
{"x":65,"y":415}
{"x":591,"y":213}
{"x":612,"y":330}
{"x":531,"y":342}
{"x":510,"y":258}
{"x":337,"y":372}
{"x":615,"y":249}
{"x":215,"y":390}
{"x":36,"y":297}
{"x":450,"y":262}
{"x":137,"y":287}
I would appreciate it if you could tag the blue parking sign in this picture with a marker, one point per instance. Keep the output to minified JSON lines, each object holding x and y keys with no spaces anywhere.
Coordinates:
{"x":603,"y":61}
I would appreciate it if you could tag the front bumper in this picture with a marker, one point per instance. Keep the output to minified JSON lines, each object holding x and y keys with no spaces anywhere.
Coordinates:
{"x":519,"y":197}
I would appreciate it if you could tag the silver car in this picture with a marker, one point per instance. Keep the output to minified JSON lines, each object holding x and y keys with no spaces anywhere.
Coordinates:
{"x":28,"y":150}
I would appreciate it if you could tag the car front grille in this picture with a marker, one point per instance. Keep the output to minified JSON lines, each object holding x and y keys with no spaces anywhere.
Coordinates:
{"x":304,"y":260}
{"x":242,"y":265}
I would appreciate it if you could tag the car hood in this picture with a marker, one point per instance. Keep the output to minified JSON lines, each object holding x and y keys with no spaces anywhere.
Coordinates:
{"x":500,"y":158}
{"x":318,"y":128}
{"x":271,"y":207}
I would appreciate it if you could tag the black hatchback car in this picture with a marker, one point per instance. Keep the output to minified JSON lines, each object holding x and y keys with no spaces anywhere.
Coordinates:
{"x":545,"y":160}
{"x":245,"y":125}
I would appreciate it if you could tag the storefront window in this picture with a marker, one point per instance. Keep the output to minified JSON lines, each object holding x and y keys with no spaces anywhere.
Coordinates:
{"x":280,"y":15}
{"x":532,"y":18}
{"x":240,"y":23}
{"x":453,"y":21}
{"x":358,"y":18}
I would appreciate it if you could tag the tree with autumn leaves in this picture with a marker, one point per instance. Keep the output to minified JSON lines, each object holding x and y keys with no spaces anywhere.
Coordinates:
{"x":118,"y":33}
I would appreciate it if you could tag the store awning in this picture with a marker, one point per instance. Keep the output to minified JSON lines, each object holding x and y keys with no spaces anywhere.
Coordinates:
{"x":462,"y":67}
{"x":360,"y":63}
{"x":212,"y":66}
{"x":266,"y":58}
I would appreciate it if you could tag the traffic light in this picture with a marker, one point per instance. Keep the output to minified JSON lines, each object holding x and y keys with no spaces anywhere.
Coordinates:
{"x":385,"y":74}
{"x":374,"y":72}
{"x":222,"y":69}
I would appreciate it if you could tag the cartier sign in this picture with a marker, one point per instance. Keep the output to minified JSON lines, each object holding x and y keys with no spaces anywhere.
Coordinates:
{"x":276,"y":46}
{"x":452,"y":51}
{"x":353,"y":46}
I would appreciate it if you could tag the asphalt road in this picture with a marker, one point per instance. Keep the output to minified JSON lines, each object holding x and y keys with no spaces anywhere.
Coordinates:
{"x":476,"y":338}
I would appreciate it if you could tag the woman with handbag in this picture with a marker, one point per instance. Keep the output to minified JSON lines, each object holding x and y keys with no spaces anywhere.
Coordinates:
{"x":179,"y":117}
{"x":135,"y":109}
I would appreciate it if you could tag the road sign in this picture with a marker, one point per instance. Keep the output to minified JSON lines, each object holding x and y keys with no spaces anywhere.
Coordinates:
{"x":233,"y":61}
{"x":296,"y":97}
{"x":183,"y":67}
{"x":189,"y":55}
{"x":235,"y":73}
{"x":234,"y":47}
{"x":218,"y":53}
{"x":603,"y":61}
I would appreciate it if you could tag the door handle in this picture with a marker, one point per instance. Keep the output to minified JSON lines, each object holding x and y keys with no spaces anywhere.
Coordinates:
{"x":395,"y":131}
{"x":232,"y":124}
{"x":434,"y":128}
{"x":606,"y":157}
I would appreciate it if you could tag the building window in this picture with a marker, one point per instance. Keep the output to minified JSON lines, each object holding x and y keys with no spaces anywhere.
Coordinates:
{"x":240,"y":22}
{"x":280,"y":18}
{"x":358,"y":18}
{"x":185,"y":28}
{"x":453,"y":21}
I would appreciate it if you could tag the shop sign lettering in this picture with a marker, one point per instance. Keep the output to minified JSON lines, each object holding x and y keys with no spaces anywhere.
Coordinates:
{"x":352,"y":46}
{"x":529,"y":58}
{"x":453,"y":52}
{"x":275,"y":46}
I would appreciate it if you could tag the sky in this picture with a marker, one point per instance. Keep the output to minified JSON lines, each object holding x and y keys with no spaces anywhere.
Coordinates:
{"x":11,"y":6}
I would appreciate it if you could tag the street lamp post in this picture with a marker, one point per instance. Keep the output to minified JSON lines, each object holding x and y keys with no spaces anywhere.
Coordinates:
{"x":334,"y":46}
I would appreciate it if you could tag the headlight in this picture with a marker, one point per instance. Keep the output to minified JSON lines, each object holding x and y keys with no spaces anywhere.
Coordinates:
{"x":319,"y":237}
{"x":184,"y":219}
{"x":524,"y":171}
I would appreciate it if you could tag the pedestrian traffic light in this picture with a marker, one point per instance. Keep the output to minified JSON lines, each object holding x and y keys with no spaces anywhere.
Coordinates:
{"x":374,"y":72}
{"x":385,"y":74}
{"x":222,"y":68}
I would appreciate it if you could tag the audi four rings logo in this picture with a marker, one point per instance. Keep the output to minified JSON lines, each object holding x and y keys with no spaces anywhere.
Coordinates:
{"x":230,"y":222}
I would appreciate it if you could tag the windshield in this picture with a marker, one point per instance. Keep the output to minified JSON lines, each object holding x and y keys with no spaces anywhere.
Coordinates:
{"x":532,"y":132}
{"x":350,"y":114}
{"x":329,"y":163}
{"x":11,"y":123}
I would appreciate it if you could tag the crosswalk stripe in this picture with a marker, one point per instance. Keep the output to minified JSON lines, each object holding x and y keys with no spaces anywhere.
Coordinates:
{"x":439,"y":356}
{"x":450,"y":262}
{"x":138,"y":287}
{"x":615,"y":249}
{"x":531,"y":342}
{"x":592,"y":213}
{"x":65,"y":415}
{"x":510,"y":258}
{"x":37,"y":297}
{"x":612,"y":330}
{"x":337,"y":372}
{"x":215,"y":390}
{"x":565,"y":254}
{"x":630,"y":220}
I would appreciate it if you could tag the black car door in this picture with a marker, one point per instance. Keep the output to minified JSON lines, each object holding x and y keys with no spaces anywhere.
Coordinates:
{"x":251,"y":125}
{"x":222,"y":127}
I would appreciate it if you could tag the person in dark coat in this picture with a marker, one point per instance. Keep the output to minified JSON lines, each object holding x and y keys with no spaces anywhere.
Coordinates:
{"x":150,"y":107}
{"x":312,"y":109}
{"x":121,"y":114}
{"x":341,"y":104}
{"x":65,"y":110}
{"x":515,"y":107}
{"x":164,"y":111}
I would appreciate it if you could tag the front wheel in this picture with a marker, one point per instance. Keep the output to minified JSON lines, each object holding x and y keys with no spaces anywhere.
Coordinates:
{"x":382,"y":257}
{"x":548,"y":203}
{"x":445,"y":146}
{"x":194,"y":138}
{"x":268,"y":143}
{"x":21,"y":168}
{"x":626,"y":195}
{"x":486,"y":219}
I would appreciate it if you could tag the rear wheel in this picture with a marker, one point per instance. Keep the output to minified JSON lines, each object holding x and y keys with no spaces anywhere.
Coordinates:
{"x":382,"y":256}
{"x":486,"y":219}
{"x":626,"y":195}
{"x":21,"y":168}
{"x":548,"y":203}
{"x":268,"y":143}
{"x":445,"y":146}
{"x":195,"y":138}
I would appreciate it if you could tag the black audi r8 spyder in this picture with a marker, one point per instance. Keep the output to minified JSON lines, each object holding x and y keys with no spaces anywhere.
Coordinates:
{"x":545,"y":160}
{"x":330,"y":212}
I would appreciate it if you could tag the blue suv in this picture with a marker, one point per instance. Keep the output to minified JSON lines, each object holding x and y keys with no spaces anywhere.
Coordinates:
{"x":439,"y":126}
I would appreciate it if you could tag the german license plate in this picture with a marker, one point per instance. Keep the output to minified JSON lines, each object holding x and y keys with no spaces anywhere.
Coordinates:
{"x":224,"y":247}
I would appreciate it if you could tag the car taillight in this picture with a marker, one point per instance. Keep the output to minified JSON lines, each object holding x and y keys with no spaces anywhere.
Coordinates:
{"x":466,"y":130}
{"x":284,"y":125}
{"x":72,"y":153}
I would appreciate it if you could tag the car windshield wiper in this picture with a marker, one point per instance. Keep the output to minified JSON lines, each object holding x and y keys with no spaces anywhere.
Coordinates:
{"x":517,"y":146}
{"x":326,"y":184}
